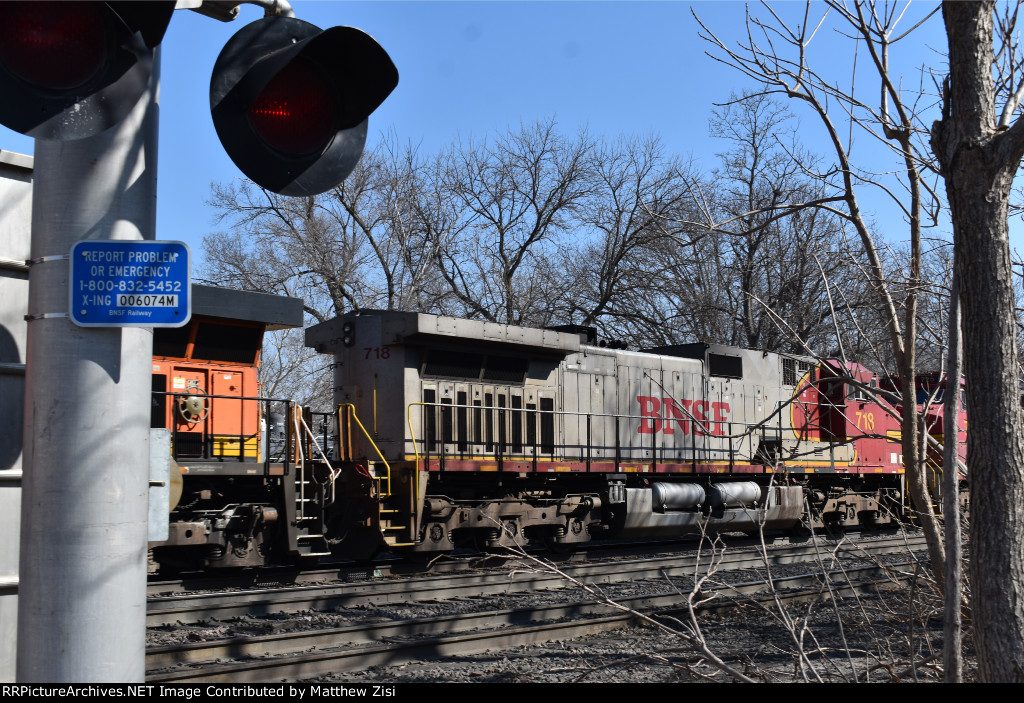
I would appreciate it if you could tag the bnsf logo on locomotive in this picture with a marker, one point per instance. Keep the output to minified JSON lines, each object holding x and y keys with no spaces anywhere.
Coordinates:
{"x":665,"y":414}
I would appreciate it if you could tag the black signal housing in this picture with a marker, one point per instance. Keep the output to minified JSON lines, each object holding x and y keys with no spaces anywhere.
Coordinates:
{"x":70,"y":70}
{"x":290,"y":101}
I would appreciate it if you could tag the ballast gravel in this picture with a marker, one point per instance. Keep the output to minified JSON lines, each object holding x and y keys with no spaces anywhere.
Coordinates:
{"x":874,"y":638}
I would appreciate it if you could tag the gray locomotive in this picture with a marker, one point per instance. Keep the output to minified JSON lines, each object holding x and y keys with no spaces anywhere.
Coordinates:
{"x":455,"y":432}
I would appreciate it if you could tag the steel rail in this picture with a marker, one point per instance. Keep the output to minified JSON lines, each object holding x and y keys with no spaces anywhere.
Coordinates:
{"x":186,"y":608}
{"x":312,"y":653}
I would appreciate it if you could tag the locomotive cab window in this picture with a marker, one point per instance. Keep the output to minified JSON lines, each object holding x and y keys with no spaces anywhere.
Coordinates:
{"x":209,"y":341}
{"x":172,"y":342}
{"x":229,"y":343}
{"x":833,"y":389}
{"x":725,"y":366}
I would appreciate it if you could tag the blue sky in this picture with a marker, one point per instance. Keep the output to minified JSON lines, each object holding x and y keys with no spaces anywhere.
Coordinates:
{"x":475,"y":68}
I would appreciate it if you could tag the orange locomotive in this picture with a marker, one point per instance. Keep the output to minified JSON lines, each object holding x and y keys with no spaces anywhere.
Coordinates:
{"x":226,"y":484}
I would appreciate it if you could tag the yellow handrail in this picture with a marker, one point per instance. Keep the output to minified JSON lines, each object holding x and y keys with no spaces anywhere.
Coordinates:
{"x":373,"y":444}
{"x":387,"y":466}
{"x":412,"y":433}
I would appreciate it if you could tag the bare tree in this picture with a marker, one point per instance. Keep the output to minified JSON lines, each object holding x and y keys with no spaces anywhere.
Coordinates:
{"x":934,"y":304}
{"x":361,"y":244}
{"x":735,"y":271}
{"x":952,"y":655}
{"x":633,"y":204}
{"x":775,"y":55}
{"x":521,"y":192}
{"x":680,"y":294}
{"x":781,"y":266}
{"x":404,"y":224}
{"x":289,"y":370}
{"x":979,"y":142}
{"x":756,"y":179}
{"x":293,"y":246}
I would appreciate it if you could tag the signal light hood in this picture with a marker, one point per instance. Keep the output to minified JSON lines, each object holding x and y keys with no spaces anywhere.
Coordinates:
{"x":358,"y":74}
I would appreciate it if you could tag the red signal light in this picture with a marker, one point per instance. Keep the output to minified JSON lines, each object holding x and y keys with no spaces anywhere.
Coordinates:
{"x":294,"y":113}
{"x":70,"y":70}
{"x":53,"y":45}
{"x":290,"y":101}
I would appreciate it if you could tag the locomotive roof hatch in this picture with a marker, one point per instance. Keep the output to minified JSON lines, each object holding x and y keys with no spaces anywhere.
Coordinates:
{"x":723,"y":361}
{"x":421,"y":328}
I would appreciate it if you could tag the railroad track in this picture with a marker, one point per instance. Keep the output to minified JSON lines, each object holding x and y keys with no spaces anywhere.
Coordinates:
{"x":252,"y":602}
{"x":296,"y":655}
{"x":309,"y":654}
{"x":268,"y":577}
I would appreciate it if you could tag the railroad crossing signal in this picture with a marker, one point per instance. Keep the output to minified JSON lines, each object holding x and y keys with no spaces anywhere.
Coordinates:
{"x":70,"y":70}
{"x":290,"y":101}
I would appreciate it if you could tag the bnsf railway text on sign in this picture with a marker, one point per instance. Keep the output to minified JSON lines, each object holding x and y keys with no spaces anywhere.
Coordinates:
{"x":130,"y":284}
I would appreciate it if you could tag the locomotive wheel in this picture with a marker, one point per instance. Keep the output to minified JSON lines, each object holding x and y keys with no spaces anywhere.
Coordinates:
{"x":482,"y":539}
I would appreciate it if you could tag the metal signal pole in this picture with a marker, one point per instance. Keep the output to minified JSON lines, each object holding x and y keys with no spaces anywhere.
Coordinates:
{"x":82,"y":592}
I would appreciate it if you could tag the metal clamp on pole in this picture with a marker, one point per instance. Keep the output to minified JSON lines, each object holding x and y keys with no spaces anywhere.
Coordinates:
{"x":45,"y":316}
{"x":47,"y":259}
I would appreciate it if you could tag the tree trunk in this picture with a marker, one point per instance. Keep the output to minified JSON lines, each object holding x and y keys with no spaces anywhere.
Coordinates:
{"x":978,"y":162}
{"x":952,"y":626}
{"x":995,"y":445}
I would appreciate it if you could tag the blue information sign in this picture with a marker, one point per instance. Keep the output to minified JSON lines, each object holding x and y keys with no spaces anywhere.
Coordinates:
{"x":130,"y":284}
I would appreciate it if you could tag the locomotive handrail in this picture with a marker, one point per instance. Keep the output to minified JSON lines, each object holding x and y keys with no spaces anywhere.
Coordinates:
{"x":323,"y":455}
{"x":266,"y":402}
{"x":698,"y":451}
{"x":697,"y":428}
{"x":229,"y":397}
{"x":355,"y":417}
{"x":412,"y":432}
